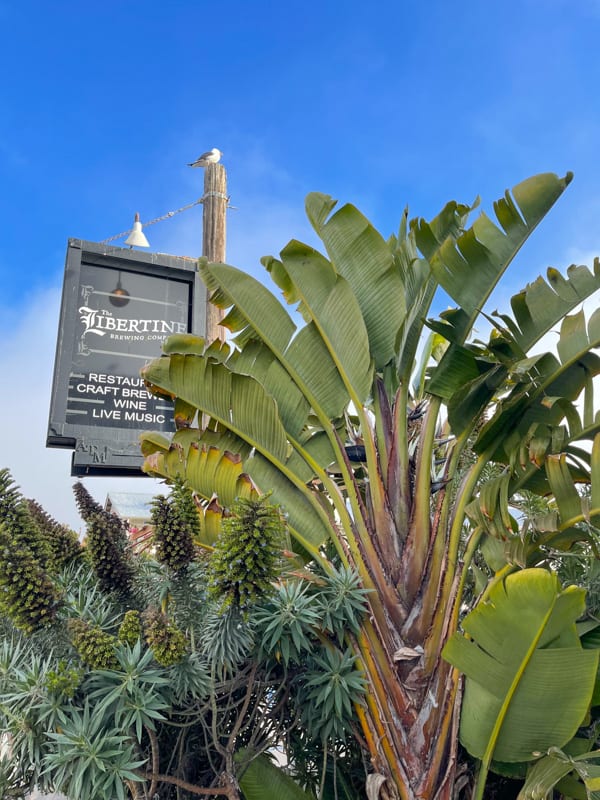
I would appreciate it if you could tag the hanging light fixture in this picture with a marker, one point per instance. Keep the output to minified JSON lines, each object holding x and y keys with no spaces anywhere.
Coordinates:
{"x":136,"y":238}
{"x":119,"y":296}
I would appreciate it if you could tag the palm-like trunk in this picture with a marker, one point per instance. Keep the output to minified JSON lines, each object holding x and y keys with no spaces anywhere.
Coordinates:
{"x":411,"y":716}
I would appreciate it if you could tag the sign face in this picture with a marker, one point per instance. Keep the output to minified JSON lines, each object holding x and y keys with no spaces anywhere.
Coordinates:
{"x":118,"y":307}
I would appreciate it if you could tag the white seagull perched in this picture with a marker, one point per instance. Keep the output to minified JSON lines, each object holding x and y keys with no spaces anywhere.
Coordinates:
{"x":210,"y":157}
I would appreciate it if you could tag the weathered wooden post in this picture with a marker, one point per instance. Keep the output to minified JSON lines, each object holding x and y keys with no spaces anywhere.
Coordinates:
{"x":213,"y":235}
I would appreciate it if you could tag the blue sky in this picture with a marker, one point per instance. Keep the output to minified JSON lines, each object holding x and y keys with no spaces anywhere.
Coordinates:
{"x":382,"y":104}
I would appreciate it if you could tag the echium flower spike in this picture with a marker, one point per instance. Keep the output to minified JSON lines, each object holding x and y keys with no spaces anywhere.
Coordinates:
{"x":130,"y":629}
{"x":86,"y":504}
{"x":89,"y":508}
{"x":173,"y":532}
{"x":164,"y":638}
{"x":27,"y":595}
{"x":246,"y":558}
{"x":22,"y":528}
{"x":64,"y":542}
{"x":183,"y":500}
{"x":95,"y":647}
{"x":110,"y":561}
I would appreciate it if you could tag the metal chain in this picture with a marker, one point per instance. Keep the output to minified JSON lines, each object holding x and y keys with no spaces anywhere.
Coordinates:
{"x":168,"y":215}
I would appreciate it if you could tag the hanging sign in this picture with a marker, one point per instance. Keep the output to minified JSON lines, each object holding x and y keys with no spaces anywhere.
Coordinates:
{"x":118,"y":307}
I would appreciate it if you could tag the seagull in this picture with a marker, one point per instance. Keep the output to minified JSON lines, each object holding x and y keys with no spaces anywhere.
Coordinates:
{"x":210,"y":157}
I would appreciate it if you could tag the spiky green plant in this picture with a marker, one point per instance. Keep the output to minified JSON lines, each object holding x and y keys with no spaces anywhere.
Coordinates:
{"x":130,"y":629}
{"x":27,"y":594}
{"x":183,"y":500}
{"x":110,"y":560}
{"x":64,"y":680}
{"x":246,"y":558}
{"x":63,"y":542}
{"x":173,"y":530}
{"x":86,"y":505}
{"x":15,"y":514}
{"x":164,"y":638}
{"x":95,"y":647}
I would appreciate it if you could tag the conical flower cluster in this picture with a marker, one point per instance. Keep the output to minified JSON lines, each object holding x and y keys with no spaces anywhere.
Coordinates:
{"x":110,"y":560}
{"x":64,"y":542}
{"x":164,"y":638}
{"x":175,"y":521}
{"x":27,"y":594}
{"x":86,"y":505}
{"x":245,"y":561}
{"x":130,"y":629}
{"x":107,"y":544}
{"x":15,"y":514}
{"x":95,"y":647}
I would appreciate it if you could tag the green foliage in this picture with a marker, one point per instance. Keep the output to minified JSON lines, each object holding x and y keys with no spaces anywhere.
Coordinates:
{"x":84,"y":599}
{"x":134,"y":691}
{"x":63,"y":542}
{"x":246,"y":558}
{"x":89,"y":761}
{"x":262,"y":778}
{"x":130,"y":629}
{"x":196,"y":674}
{"x":64,"y":680}
{"x":288,"y":623}
{"x":343,"y":602}
{"x":190,"y":679}
{"x":331,"y":687}
{"x":109,"y":558}
{"x":174,"y":529}
{"x":502,"y":716}
{"x":164,"y":638}
{"x":227,"y":637}
{"x":95,"y":647}
{"x":23,"y":529}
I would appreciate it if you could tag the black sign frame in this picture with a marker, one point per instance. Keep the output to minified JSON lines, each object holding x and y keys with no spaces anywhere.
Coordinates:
{"x":109,"y":445}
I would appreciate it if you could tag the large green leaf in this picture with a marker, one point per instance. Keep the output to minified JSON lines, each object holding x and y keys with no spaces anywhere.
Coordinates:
{"x":304,"y":356}
{"x":469,"y":380}
{"x":260,"y":363}
{"x":264,"y":780}
{"x":548,"y":772}
{"x":418,"y":280}
{"x":239,"y":404}
{"x":469,"y":268}
{"x":335,"y":313}
{"x":542,"y":304}
{"x":237,"y":401}
{"x":544,"y":387}
{"x":529,"y":681}
{"x":361,"y":256}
